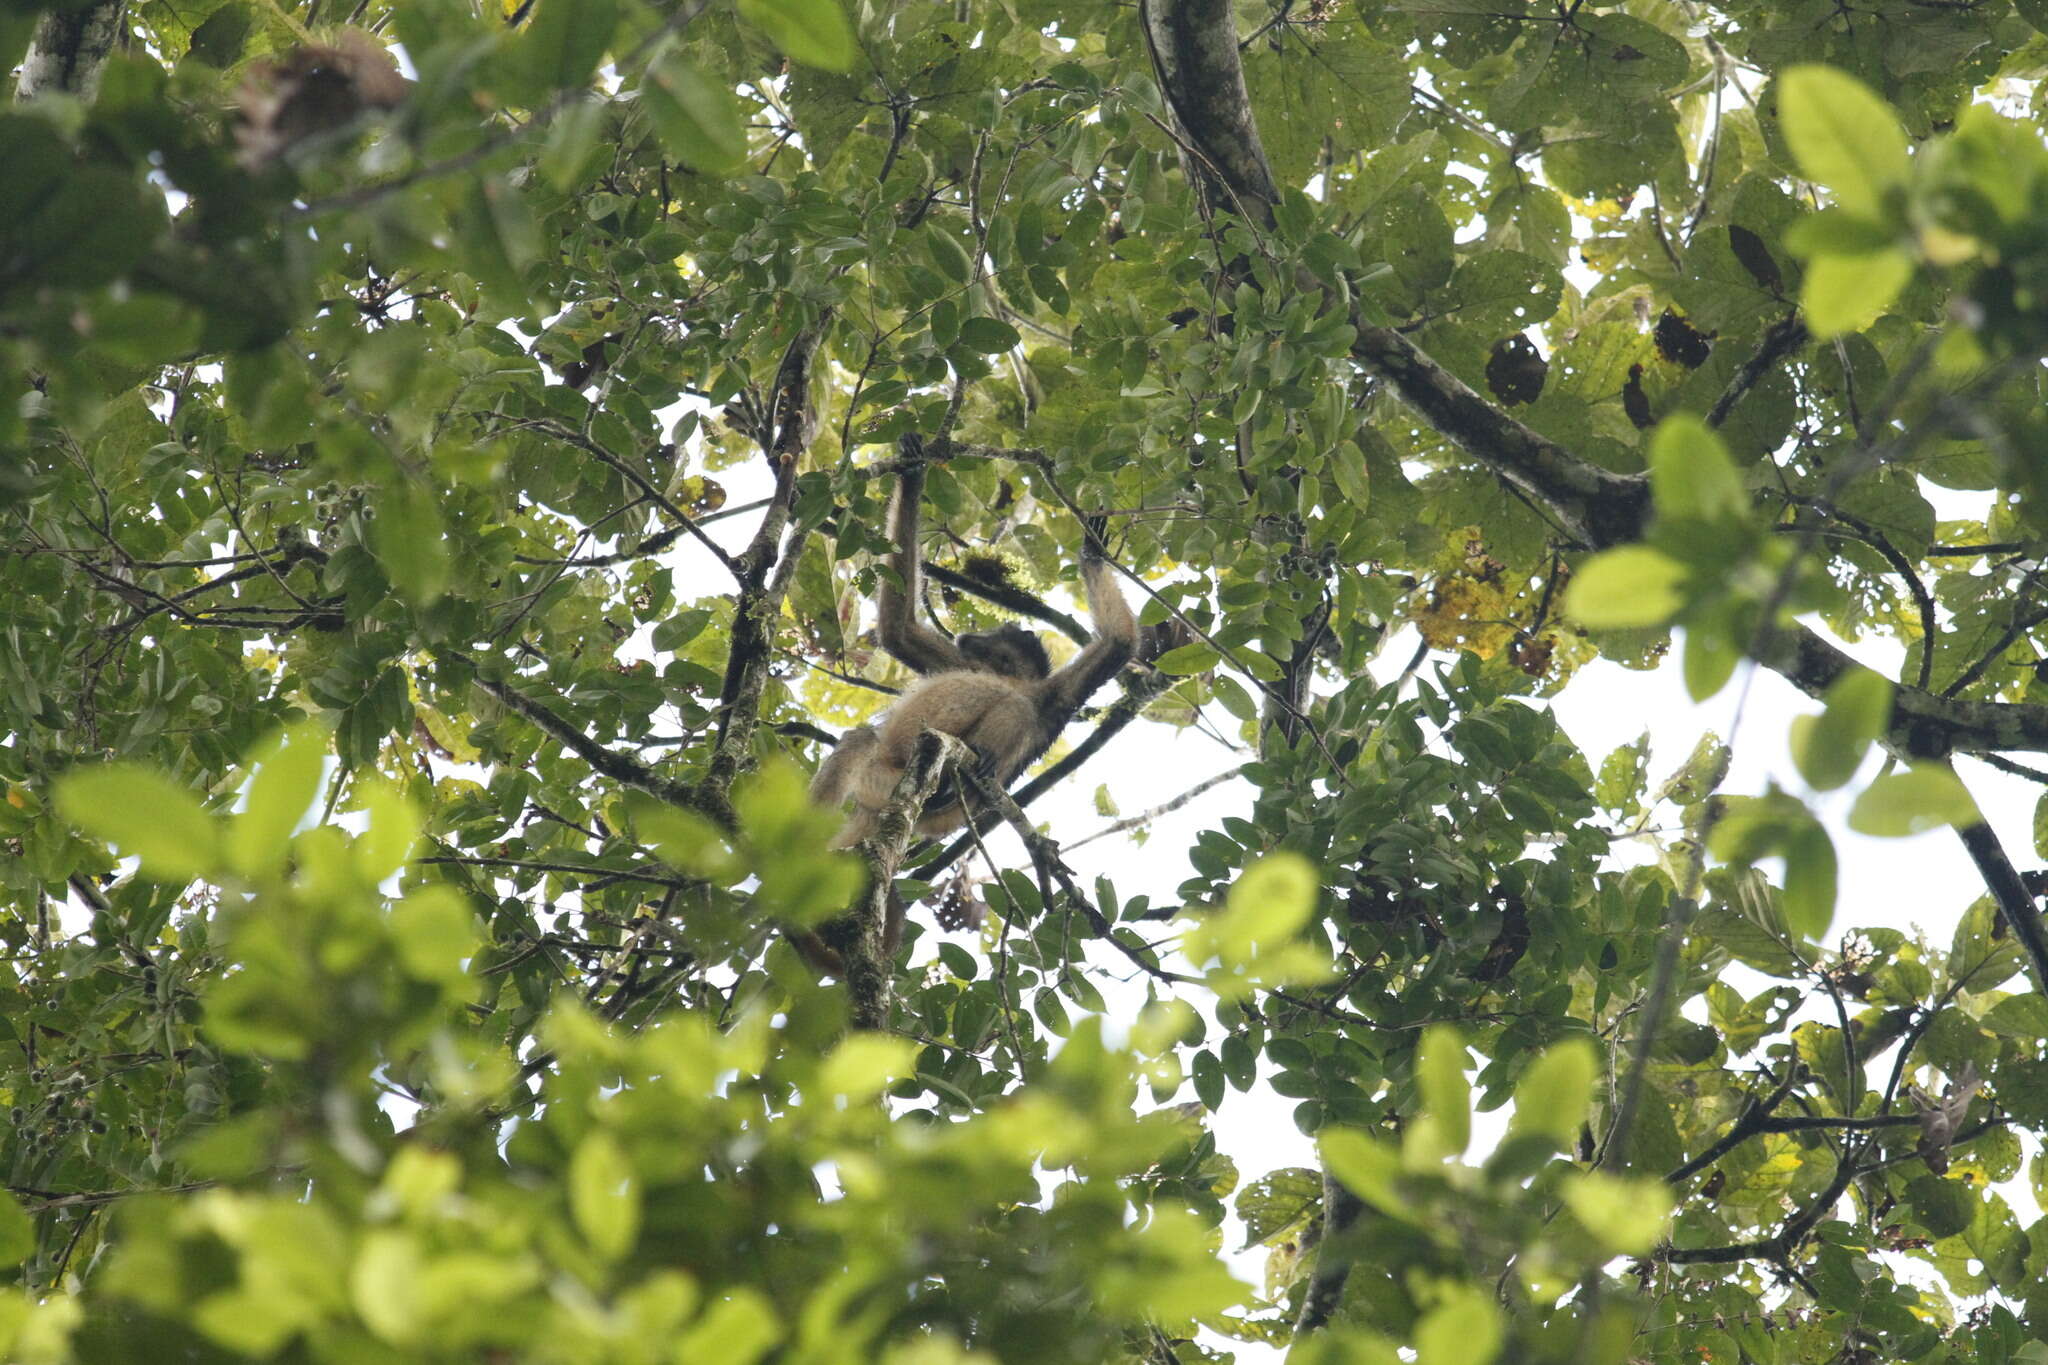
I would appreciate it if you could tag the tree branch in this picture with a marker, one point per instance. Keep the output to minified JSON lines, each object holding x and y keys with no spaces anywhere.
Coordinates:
{"x":1785,"y":336}
{"x":70,"y":50}
{"x":2015,"y":904}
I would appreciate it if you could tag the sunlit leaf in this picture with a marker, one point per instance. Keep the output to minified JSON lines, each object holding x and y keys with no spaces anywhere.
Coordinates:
{"x":1831,"y":748}
{"x":1627,"y":1213}
{"x":1630,"y":587}
{"x":286,"y":780}
{"x":1691,"y":476}
{"x":143,"y":813}
{"x":1552,"y":1095}
{"x":1844,"y":136}
{"x":604,"y":1195}
{"x":814,"y":32}
{"x":1847,"y":293}
{"x":1440,"y":1063}
{"x":1923,"y":797}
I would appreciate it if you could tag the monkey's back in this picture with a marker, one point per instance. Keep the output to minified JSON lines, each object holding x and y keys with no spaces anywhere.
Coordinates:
{"x":989,"y":713}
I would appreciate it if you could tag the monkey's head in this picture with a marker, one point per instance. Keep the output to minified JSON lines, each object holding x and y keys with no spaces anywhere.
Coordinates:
{"x":1011,"y":651}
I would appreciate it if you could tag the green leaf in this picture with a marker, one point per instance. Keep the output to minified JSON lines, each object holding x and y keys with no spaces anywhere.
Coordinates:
{"x":1709,"y":660}
{"x":698,"y":120}
{"x":408,"y":541}
{"x":1274,"y":896}
{"x":686,"y":840}
{"x":1847,"y":293}
{"x":219,"y":41}
{"x":287,"y":778}
{"x":738,"y":1329}
{"x":864,"y":1064}
{"x":1189,"y":659}
{"x":1691,"y":476}
{"x":1627,"y":1214}
{"x":1809,"y":881}
{"x":435,"y":932}
{"x":1207,"y":1074}
{"x":1753,"y":827}
{"x":2019,"y":1016}
{"x":143,"y":813}
{"x":1445,"y":1128}
{"x":1464,"y":1328}
{"x":1921,"y":798}
{"x":814,"y":32}
{"x":1837,"y":232}
{"x":1943,"y":1207}
{"x":1633,"y":587}
{"x":989,"y":336}
{"x":384,"y":1284}
{"x":1843,"y":136}
{"x":1235,"y":699}
{"x":604,"y":1195}
{"x":572,"y":138}
{"x":1830,"y":747}
{"x":17,"y":1232}
{"x":1366,"y":1166}
{"x":394,"y":828}
{"x":565,"y":42}
{"x":1551,"y":1096}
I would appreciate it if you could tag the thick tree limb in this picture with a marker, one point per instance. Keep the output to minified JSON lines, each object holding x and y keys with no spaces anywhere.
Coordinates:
{"x":1923,"y":724}
{"x":70,"y":49}
{"x":764,"y":567}
{"x":2015,"y":904}
{"x":1341,"y":1212}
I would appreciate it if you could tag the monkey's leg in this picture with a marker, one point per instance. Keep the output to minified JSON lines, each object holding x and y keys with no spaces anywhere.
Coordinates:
{"x":837,"y":773}
{"x":859,"y":768}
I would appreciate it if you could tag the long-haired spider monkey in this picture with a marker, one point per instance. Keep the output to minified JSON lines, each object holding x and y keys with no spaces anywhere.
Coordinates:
{"x":993,"y":690}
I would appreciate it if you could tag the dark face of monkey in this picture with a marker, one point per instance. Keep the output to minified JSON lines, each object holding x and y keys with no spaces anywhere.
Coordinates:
{"x":1011,"y":651}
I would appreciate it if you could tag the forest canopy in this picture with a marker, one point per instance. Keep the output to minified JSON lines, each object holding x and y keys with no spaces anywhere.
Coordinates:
{"x":445,"y":461}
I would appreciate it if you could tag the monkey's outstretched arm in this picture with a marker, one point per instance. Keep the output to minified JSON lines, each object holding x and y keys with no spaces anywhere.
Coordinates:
{"x":917,"y":645}
{"x":1116,"y":630}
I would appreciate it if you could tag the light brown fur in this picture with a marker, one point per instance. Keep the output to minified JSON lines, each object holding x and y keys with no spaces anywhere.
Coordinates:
{"x":994,"y":700}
